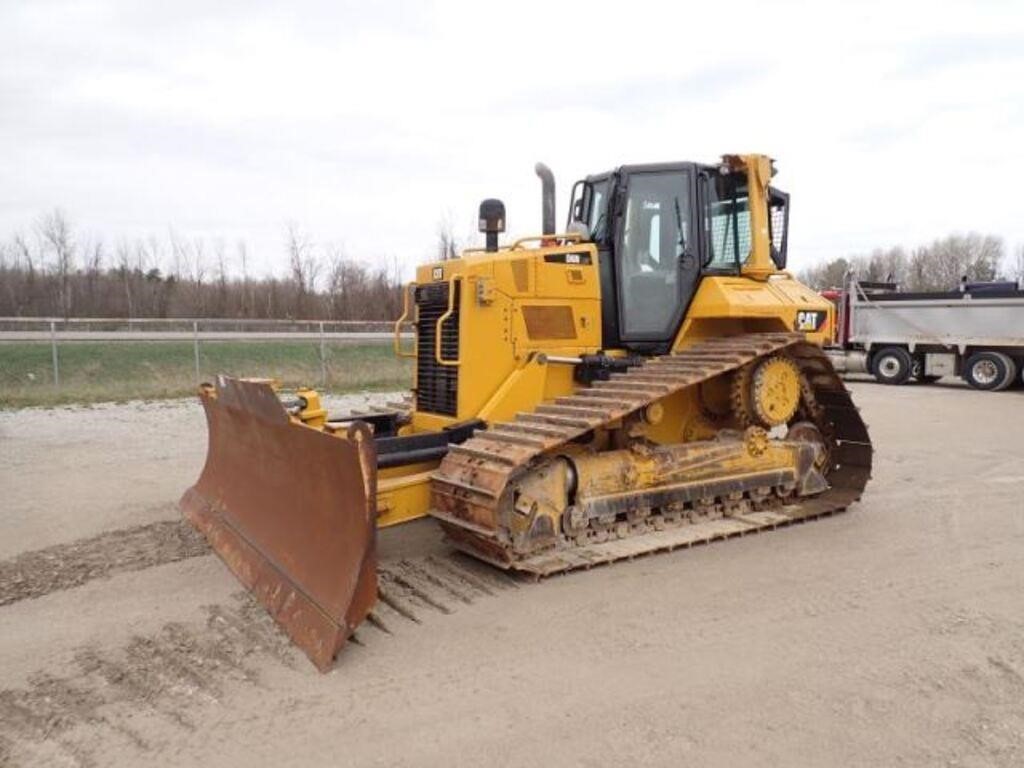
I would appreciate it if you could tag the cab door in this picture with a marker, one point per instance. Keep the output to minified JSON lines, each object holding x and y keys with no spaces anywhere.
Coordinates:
{"x":656,"y":253}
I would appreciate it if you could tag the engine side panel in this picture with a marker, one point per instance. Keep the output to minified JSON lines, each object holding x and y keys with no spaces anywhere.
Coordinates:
{"x":511,"y":305}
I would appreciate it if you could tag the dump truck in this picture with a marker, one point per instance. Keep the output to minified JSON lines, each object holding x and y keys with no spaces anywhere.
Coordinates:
{"x":649,"y":378}
{"x":975,"y":331}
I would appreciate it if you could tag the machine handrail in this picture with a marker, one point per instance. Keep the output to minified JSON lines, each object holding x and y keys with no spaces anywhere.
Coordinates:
{"x":399,"y":352}
{"x":576,"y":237}
{"x":440,"y":322}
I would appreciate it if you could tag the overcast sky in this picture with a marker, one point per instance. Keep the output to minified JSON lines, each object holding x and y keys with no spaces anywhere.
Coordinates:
{"x":366,"y":123}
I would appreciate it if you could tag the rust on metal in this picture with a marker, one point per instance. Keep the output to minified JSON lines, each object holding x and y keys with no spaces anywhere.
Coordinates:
{"x":292,"y":512}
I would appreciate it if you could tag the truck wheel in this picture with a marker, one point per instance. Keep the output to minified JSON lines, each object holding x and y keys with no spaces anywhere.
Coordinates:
{"x":989,"y":371}
{"x":892,"y":365}
{"x":1011,"y":371}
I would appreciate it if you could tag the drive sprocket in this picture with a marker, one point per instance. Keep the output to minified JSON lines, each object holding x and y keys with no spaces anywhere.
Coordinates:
{"x":766,"y":393}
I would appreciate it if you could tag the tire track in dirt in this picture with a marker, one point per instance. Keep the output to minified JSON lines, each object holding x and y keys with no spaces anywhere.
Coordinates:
{"x":410,"y":588}
{"x":168,"y":675}
{"x":171,"y":675}
{"x":140,"y":693}
{"x":175,"y":673}
{"x":63,"y":566}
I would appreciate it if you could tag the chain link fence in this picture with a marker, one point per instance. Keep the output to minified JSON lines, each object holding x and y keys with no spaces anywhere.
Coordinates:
{"x":51,"y":360}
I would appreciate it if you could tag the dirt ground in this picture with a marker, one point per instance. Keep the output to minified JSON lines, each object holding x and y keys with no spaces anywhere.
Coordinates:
{"x":890,"y":635}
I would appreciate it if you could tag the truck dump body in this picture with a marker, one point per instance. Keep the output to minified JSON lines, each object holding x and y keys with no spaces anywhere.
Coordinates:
{"x":953,"y":319}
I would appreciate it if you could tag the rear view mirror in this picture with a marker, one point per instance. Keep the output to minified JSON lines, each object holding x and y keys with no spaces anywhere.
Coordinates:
{"x":577,"y":198}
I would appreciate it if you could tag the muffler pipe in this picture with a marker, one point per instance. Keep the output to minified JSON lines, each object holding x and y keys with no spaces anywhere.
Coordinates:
{"x":547,"y":196}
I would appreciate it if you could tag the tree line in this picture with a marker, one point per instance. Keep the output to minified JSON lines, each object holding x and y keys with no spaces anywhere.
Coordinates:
{"x":937,"y":266}
{"x":55,"y":271}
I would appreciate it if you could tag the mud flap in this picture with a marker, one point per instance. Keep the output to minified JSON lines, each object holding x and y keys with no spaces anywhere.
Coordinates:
{"x":292,"y":512}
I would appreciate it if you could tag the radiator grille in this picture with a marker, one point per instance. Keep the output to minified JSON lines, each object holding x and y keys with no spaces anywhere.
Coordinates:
{"x":437,"y":386}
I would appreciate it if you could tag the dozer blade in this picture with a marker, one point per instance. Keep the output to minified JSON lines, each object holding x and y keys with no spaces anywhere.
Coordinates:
{"x":292,"y":512}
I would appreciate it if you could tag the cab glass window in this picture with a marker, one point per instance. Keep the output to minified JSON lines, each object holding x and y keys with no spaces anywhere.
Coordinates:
{"x":727,"y":222}
{"x":597,"y":216}
{"x":656,"y":230}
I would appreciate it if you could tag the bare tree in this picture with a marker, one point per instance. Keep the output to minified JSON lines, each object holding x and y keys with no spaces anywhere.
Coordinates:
{"x":26,"y":297}
{"x":941,"y":265}
{"x":887,"y":265}
{"x":93,"y":255}
{"x":243,"y":259}
{"x":1017,"y":268}
{"x":827,"y":275}
{"x":130,"y":279}
{"x":124,"y":270}
{"x":10,"y":279}
{"x":55,"y":232}
{"x":220,"y":259}
{"x":338,"y":280}
{"x":178,"y":258}
{"x":303,"y":265}
{"x":23,"y":253}
{"x":197,"y":265}
{"x":447,"y":246}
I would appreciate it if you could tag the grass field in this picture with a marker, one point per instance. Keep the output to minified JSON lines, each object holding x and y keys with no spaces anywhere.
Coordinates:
{"x":92,"y":372}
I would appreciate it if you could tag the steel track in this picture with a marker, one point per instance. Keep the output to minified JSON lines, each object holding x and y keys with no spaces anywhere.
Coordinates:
{"x":473,"y":481}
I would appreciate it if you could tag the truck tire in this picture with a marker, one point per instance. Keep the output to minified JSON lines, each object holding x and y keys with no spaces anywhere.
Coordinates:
{"x":1018,"y":379}
{"x":892,"y":365}
{"x":1011,"y":371}
{"x":989,"y":371}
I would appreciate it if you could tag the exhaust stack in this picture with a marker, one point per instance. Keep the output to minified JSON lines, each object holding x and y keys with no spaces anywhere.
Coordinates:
{"x":547,"y":181}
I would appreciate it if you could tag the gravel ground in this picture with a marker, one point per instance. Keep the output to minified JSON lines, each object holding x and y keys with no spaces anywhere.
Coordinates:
{"x":889,"y":635}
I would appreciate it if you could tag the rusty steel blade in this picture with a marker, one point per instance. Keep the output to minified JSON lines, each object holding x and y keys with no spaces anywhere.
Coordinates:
{"x":292,"y":512}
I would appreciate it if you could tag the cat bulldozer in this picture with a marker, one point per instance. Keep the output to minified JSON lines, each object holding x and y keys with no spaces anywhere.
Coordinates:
{"x":647,"y":379}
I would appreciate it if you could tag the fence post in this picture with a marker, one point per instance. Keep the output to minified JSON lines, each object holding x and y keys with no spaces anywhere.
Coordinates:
{"x":195,"y":347}
{"x":323,"y":359}
{"x":53,"y":348}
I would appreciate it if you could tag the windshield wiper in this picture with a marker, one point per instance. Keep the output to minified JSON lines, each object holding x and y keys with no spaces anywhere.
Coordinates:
{"x":679,"y":226}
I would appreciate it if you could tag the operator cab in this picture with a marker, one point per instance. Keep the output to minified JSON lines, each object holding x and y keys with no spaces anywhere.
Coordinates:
{"x":658,"y":229}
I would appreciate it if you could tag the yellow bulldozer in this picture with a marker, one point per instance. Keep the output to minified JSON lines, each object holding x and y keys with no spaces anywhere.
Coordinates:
{"x":647,"y":379}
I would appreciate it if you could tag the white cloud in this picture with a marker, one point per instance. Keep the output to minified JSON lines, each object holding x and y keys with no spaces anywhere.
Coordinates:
{"x":891,"y":122}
